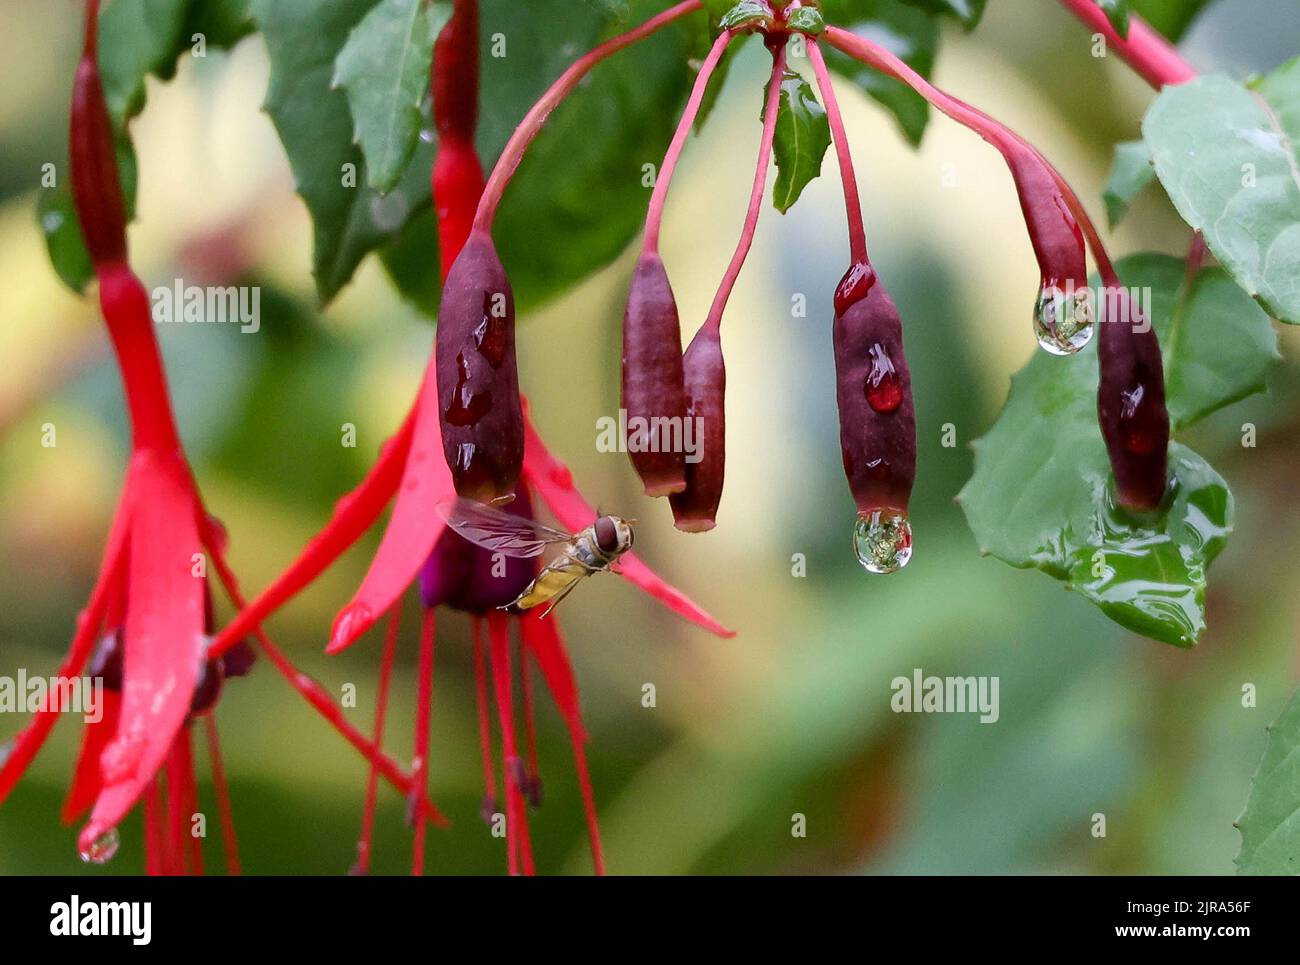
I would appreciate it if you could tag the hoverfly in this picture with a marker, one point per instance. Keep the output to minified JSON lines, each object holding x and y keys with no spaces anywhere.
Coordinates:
{"x":593,"y":550}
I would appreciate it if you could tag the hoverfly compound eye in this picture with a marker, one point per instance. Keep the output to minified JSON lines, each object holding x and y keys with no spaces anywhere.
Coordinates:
{"x":606,"y":534}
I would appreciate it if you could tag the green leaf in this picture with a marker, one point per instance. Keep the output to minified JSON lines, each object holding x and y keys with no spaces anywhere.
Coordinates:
{"x":807,"y":20}
{"x":1040,"y":493}
{"x":63,"y":239}
{"x":909,"y":33}
{"x":384,"y":68}
{"x":1170,"y":17}
{"x":967,"y":11}
{"x":1117,"y":12}
{"x":1270,"y":824}
{"x":802,"y":136}
{"x":1231,"y":170}
{"x":1130,"y":172}
{"x":746,"y":13}
{"x":349,"y":218}
{"x":223,"y":23}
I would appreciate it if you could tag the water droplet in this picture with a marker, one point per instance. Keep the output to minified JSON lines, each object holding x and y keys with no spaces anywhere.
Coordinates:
{"x":884,"y":390}
{"x":882,"y":540}
{"x":1139,"y":423}
{"x":853,"y":287}
{"x":467,"y":406}
{"x":492,"y":333}
{"x":1063,"y":319}
{"x":880,"y":470}
{"x":102,"y":849}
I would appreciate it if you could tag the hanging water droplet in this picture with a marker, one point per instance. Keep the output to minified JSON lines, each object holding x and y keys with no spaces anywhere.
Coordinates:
{"x":882,"y":540}
{"x":102,"y":849}
{"x":1063,"y":319}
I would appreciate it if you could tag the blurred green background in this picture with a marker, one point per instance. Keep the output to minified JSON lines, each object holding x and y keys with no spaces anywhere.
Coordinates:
{"x":792,"y":715}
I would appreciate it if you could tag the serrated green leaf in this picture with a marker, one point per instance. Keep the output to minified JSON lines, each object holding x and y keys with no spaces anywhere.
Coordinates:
{"x":1117,"y":12}
{"x":1130,"y":172}
{"x":349,"y":218}
{"x":800,"y":141}
{"x":1231,"y":170}
{"x":909,"y":33}
{"x":223,"y":23}
{"x":384,"y":68}
{"x":1270,"y":824}
{"x":1040,"y":494}
{"x":806,"y":20}
{"x":967,"y":11}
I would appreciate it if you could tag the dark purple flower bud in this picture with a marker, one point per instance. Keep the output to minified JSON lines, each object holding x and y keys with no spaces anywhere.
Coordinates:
{"x":478,"y":378}
{"x":877,"y":420}
{"x":466,"y":577}
{"x":207,"y":689}
{"x":1131,"y":403}
{"x":653,"y":383}
{"x":695,"y":509}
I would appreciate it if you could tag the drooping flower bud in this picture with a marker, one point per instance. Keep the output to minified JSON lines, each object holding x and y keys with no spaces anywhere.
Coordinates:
{"x":877,"y":420}
{"x":695,"y":509}
{"x":1131,"y":403}
{"x":478,"y":379}
{"x":96,"y":188}
{"x":469,"y":578}
{"x":653,"y":380}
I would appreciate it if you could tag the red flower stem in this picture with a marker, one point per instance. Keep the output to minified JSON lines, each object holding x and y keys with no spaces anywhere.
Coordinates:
{"x":226,"y":814}
{"x":176,"y":816}
{"x":423,"y":709}
{"x":516,"y":819}
{"x":530,"y":720}
{"x":457,"y":175}
{"x":536,"y":116}
{"x":852,"y":203}
{"x":316,"y":695}
{"x":1150,"y":55}
{"x":997,"y":134}
{"x":484,"y":718}
{"x":381,"y":711}
{"x":655,"y":211}
{"x":772,"y":108}
{"x":153,"y":847}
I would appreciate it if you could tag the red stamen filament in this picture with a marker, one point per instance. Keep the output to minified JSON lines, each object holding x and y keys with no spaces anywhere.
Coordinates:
{"x":536,"y":116}
{"x":530,"y":722}
{"x":226,"y":815}
{"x":423,"y":709}
{"x":517,"y":844}
{"x":655,"y":212}
{"x":381,"y":711}
{"x":484,"y":717}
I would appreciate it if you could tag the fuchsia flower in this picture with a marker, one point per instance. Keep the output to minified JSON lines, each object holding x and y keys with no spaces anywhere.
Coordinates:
{"x":146,"y":628}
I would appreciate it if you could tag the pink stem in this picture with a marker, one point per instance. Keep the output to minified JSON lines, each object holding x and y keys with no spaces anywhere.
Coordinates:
{"x":852,"y":203}
{"x":1149,"y":54}
{"x":655,"y":212}
{"x":536,"y":116}
{"x":997,"y":134}
{"x":714,"y":320}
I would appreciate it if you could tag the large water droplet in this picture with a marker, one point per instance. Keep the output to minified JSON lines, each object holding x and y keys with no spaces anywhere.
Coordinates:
{"x":854,"y":286}
{"x":883,"y":388}
{"x":882,"y":540}
{"x":102,"y":849}
{"x":1063,"y":319}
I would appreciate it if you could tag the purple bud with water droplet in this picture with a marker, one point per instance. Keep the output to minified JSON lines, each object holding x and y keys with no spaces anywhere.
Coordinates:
{"x":653,"y":380}
{"x":1131,"y":402}
{"x":478,"y":380}
{"x":695,"y":509}
{"x":874,"y":395}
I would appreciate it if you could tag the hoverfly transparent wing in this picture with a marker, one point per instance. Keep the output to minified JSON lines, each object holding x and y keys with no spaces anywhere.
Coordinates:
{"x":499,"y":531}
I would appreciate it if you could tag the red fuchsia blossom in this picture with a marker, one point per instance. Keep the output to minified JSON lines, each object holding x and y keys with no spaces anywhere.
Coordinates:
{"x":424,"y":466}
{"x":146,"y":628}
